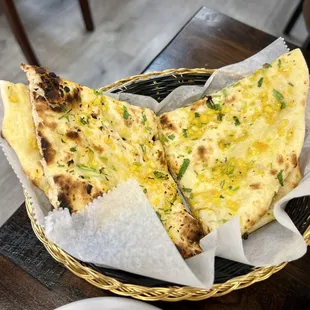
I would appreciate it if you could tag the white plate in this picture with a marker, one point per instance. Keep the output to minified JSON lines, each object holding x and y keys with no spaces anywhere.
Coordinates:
{"x":108,"y":303}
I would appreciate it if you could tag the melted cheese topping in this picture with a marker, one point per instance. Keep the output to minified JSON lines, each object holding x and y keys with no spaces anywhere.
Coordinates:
{"x":232,"y":150}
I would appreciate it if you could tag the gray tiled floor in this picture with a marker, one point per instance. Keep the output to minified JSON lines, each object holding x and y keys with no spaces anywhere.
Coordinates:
{"x":129,"y":34}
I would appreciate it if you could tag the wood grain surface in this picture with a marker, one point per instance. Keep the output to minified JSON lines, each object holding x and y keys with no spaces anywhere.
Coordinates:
{"x":31,"y":279}
{"x":212,"y":40}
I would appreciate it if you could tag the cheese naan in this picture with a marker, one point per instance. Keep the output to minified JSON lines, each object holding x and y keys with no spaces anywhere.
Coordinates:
{"x":231,"y":151}
{"x":90,"y":143}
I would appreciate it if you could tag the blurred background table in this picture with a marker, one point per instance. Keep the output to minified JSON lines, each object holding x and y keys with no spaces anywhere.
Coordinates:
{"x":31,"y":279}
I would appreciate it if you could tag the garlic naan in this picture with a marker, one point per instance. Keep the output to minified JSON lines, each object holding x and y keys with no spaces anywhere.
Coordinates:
{"x":18,"y":130}
{"x":231,"y":151}
{"x":90,"y":143}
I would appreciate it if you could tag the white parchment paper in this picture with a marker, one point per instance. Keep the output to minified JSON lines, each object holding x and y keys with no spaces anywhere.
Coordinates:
{"x":121,"y":229}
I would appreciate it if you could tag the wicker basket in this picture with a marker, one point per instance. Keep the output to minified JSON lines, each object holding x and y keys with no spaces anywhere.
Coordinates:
{"x":229,"y":275}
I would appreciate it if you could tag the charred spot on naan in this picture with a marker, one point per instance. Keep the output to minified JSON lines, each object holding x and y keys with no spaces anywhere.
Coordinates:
{"x":294,"y":160}
{"x":58,"y":95}
{"x":73,"y":135}
{"x":189,"y":229}
{"x":256,"y":186}
{"x":47,"y":149}
{"x":166,"y":123}
{"x":280,"y":159}
{"x":273,"y":171}
{"x":204,"y":152}
{"x":72,"y":189}
{"x":161,"y":157}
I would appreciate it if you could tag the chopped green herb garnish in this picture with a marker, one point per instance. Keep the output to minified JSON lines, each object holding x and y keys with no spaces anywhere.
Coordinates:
{"x":101,"y":170}
{"x":183,"y":168}
{"x":73,"y":149}
{"x":267,"y":65}
{"x":60,"y":165}
{"x":222,"y":183}
{"x":236,"y":188}
{"x":144,"y":119}
{"x":279,"y":63}
{"x":144,"y":190}
{"x":291,"y":84}
{"x":197,"y":114}
{"x":163,"y":139}
{"x":184,"y":131}
{"x":225,"y":92}
{"x":236,"y":84}
{"x":98,"y":92}
{"x":125,"y":113}
{"x":86,"y":168}
{"x":160,"y":175}
{"x":220,"y":117}
{"x":186,"y":190}
{"x":171,"y":137}
{"x":66,"y":115}
{"x":66,"y":89}
{"x":137,"y":164}
{"x":260,"y":82}
{"x":279,"y":97}
{"x":237,"y":122}
{"x":83,"y":120}
{"x":149,"y":128}
{"x":143,"y":148}
{"x":104,"y":159}
{"x":211,"y":104}
{"x":280,"y":177}
{"x":221,"y":196}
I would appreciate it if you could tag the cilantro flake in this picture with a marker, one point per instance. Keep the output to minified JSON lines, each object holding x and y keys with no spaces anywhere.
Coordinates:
{"x":125,"y":113}
{"x":84,"y":120}
{"x":160,"y":175}
{"x":280,"y":177}
{"x":184,"y":131}
{"x":260,"y":82}
{"x":183,"y":168}
{"x":86,"y":168}
{"x":237,"y":122}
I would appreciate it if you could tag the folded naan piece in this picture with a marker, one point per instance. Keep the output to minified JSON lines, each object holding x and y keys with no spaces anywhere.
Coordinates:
{"x":90,"y":143}
{"x":288,"y":185}
{"x":19,"y":131}
{"x":231,"y":151}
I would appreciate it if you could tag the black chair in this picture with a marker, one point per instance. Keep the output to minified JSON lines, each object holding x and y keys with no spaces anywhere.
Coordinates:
{"x":302,"y":7}
{"x":17,"y":27}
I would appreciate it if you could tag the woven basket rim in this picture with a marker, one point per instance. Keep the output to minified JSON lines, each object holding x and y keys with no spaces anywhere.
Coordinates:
{"x":169,"y":293}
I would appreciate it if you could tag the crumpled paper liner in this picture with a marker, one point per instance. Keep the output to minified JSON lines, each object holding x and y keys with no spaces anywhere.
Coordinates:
{"x":121,"y":229}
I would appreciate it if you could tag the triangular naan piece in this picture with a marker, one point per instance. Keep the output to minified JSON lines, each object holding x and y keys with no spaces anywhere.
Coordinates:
{"x":289,"y":184}
{"x":90,"y":143}
{"x":231,"y":151}
{"x":19,"y":131}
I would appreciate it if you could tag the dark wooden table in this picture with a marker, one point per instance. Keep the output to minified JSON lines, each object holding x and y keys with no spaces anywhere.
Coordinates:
{"x":31,"y":279}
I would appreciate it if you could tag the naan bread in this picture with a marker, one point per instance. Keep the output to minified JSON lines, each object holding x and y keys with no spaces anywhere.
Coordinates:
{"x":90,"y":143}
{"x":231,"y":151}
{"x":289,"y":184}
{"x":18,"y":130}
